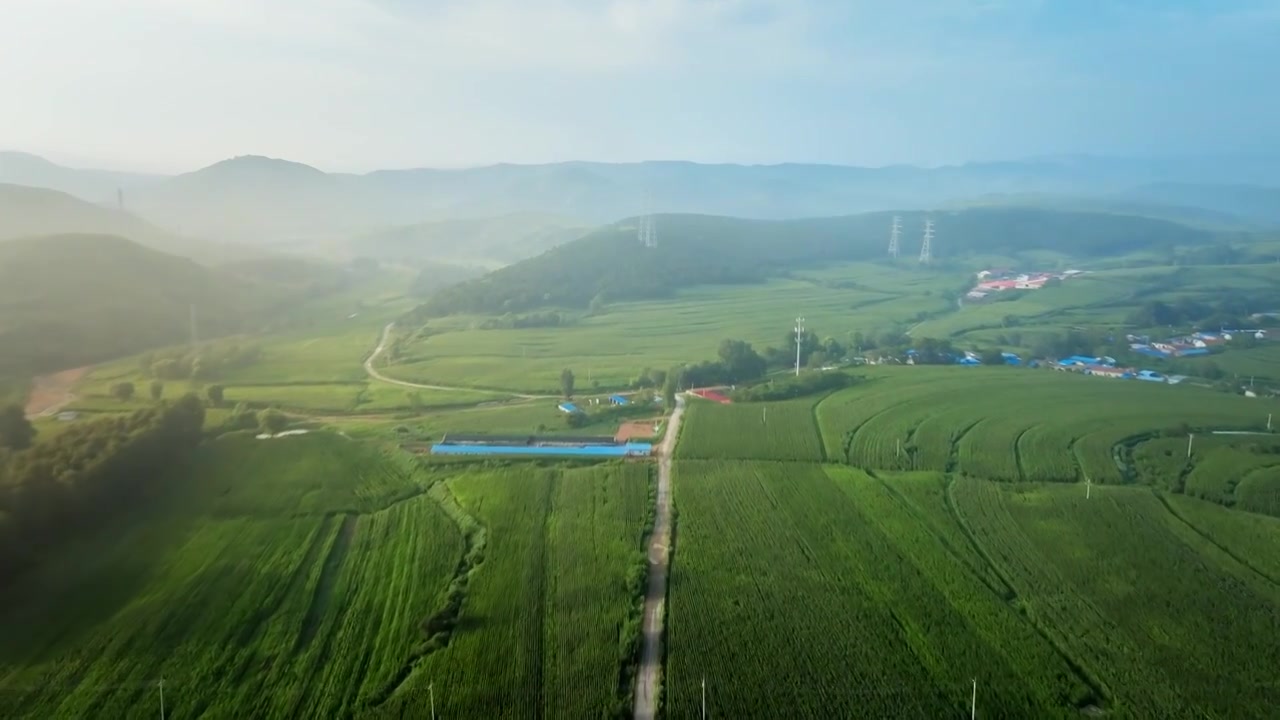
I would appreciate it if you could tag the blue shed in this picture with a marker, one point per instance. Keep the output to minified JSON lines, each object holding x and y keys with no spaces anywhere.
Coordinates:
{"x":568,"y":407}
{"x":1011,"y":358}
{"x":618,"y":400}
{"x":1150,"y":376}
{"x":968,"y":361}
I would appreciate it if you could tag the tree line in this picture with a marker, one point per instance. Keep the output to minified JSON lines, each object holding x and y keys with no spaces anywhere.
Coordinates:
{"x":79,"y":479}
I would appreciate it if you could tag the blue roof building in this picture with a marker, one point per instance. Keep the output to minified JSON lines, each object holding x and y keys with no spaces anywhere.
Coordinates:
{"x":1150,"y":376}
{"x":618,"y":400}
{"x":968,"y":361}
{"x":568,"y":407}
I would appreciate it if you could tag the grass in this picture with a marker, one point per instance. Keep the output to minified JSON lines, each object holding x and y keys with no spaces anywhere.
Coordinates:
{"x":314,"y":576}
{"x":759,"y":431}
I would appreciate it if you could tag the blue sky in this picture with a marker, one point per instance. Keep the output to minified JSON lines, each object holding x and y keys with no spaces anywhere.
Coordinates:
{"x":353,"y":85}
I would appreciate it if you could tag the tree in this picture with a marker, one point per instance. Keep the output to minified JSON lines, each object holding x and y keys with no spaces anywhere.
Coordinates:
{"x":122,"y":391}
{"x":566,"y":383}
{"x":670,"y":385}
{"x":992,"y":357}
{"x":157,"y":390}
{"x":741,"y":362}
{"x":273,"y":421}
{"x":16,"y":432}
{"x":215,"y":394}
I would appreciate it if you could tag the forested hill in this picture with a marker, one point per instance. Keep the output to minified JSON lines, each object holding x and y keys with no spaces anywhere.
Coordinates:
{"x":700,"y":249}
{"x":67,"y":300}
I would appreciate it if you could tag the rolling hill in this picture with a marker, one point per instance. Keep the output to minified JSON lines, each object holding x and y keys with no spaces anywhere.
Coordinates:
{"x":19,"y":168}
{"x":30,"y":211}
{"x":704,"y":249}
{"x":69,"y":300}
{"x":1254,"y":203}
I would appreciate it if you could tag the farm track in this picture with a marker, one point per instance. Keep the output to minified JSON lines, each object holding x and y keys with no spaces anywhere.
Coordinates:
{"x":328,"y":578}
{"x":373,"y":372}
{"x":1017,"y":453}
{"x":648,"y":674}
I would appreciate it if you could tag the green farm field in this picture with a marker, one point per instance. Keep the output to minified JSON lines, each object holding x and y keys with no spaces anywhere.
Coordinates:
{"x":613,"y":347}
{"x":1013,"y":423}
{"x":887,"y":593}
{"x":315,"y":576}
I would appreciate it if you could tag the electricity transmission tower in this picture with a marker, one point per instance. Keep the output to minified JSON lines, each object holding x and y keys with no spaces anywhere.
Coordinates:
{"x":926,"y":247}
{"x":647,"y":231}
{"x":894,"y":234}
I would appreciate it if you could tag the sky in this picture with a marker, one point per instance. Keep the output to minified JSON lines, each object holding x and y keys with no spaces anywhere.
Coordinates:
{"x":357,"y":85}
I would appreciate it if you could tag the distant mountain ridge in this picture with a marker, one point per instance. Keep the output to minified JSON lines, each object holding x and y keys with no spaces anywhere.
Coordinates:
{"x":257,"y":200}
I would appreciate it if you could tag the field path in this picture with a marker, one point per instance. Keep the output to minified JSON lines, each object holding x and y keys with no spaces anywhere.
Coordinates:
{"x":382,"y":345}
{"x":648,"y":676}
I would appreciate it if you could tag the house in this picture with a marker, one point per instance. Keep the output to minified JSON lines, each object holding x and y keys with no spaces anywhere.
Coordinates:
{"x":984,"y":274}
{"x":1082,"y":361}
{"x":618,"y":400}
{"x":1010,"y":358}
{"x":968,"y":361}
{"x":1034,"y":284}
{"x":976,"y":294}
{"x":1257,"y":334}
{"x":570,"y":408}
{"x":67,"y":416}
{"x":1150,"y":376}
{"x":998,"y":285}
{"x":1108,"y":372}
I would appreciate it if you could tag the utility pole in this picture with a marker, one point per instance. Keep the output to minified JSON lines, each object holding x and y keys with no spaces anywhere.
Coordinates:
{"x":1268,"y":422}
{"x":161,"y":684}
{"x":1088,"y":485}
{"x":764,"y":415}
{"x":894,"y":234}
{"x":194,"y":336}
{"x":973,"y":704}
{"x":799,"y":333}
{"x":704,"y":699}
{"x":431,"y":690}
{"x":1190,"y":437}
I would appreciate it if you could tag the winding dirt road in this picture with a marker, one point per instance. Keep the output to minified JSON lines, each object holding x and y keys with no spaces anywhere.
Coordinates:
{"x":648,"y":677}
{"x":382,"y":345}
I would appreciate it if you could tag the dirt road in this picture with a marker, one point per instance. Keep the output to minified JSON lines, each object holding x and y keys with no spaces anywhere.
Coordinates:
{"x":382,"y":345}
{"x":648,"y":677}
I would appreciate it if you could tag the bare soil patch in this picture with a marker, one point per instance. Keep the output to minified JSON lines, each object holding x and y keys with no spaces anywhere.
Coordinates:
{"x":49,"y":393}
{"x":637,"y":429}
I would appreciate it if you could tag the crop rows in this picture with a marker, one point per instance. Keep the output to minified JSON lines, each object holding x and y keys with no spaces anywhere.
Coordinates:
{"x":756,"y":431}
{"x":800,"y":593}
{"x":1010,"y":424}
{"x":543,"y":620}
{"x":315,"y":577}
{"x":1162,"y":619}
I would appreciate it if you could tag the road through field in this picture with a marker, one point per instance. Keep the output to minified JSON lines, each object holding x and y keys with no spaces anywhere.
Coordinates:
{"x":382,"y":345}
{"x":649,"y":675}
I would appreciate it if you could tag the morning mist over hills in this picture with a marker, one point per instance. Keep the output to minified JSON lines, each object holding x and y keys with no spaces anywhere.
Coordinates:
{"x":255,"y":200}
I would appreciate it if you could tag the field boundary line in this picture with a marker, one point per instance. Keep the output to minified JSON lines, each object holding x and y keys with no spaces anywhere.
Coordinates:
{"x":1192,"y":526}
{"x":1083,"y":671}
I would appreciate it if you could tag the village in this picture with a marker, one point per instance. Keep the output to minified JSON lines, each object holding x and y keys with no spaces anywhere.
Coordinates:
{"x":999,"y":280}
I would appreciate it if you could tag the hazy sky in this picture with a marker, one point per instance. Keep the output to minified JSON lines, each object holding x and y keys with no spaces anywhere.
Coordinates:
{"x":353,"y":85}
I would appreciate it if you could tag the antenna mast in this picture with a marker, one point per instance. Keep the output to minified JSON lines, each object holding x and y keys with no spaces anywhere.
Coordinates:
{"x":894,"y":234}
{"x":926,"y":247}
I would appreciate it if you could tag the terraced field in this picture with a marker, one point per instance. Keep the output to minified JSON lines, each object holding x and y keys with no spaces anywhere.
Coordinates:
{"x":313,"y":576}
{"x":1011,"y":424}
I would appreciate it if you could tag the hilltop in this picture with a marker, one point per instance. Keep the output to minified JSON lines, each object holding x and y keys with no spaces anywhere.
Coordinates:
{"x":68,"y":300}
{"x":610,"y":264}
{"x":19,"y":168}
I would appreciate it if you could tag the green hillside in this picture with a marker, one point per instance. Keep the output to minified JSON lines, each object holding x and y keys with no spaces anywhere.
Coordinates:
{"x":704,"y":249}
{"x":30,"y":211}
{"x":489,"y":241}
{"x":68,"y":300}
